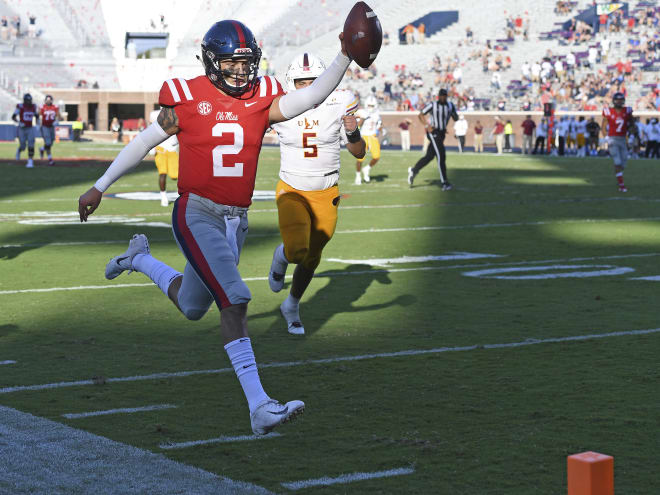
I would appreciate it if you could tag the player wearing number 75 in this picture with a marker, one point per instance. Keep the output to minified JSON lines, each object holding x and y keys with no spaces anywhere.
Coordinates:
{"x":220,"y":120}
{"x":308,"y":192}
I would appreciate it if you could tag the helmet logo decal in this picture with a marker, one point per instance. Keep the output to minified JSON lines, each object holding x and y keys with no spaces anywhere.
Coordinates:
{"x":243,"y":50}
{"x":305,"y":62}
{"x":204,"y":108}
{"x":239,"y":31}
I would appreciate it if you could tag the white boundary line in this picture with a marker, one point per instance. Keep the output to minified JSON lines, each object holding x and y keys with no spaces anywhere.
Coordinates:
{"x":239,"y":438}
{"x":345,"y":478}
{"x":370,"y":231}
{"x":123,"y":410}
{"x":289,"y":364}
{"x":7,"y":362}
{"x":331,"y":274}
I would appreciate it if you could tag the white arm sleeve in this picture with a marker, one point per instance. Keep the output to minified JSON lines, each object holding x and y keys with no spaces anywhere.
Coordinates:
{"x":131,"y":155}
{"x":301,"y":100}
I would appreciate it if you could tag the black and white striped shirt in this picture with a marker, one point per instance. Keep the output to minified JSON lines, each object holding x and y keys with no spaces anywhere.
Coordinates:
{"x":440,"y":114}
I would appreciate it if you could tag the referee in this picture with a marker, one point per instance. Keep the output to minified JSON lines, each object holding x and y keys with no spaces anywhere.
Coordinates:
{"x":440,"y":111}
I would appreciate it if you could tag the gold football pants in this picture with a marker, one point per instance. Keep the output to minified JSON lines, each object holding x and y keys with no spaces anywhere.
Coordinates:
{"x":307,"y":222}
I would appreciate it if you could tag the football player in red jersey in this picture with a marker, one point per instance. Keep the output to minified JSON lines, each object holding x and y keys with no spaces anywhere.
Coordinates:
{"x":617,"y":123}
{"x":24,"y":114}
{"x":220,"y":120}
{"x":50,"y":114}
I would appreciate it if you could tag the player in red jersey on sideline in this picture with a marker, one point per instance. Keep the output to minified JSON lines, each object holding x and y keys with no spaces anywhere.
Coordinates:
{"x":50,"y":114}
{"x":617,"y":123}
{"x":24,"y":114}
{"x":220,"y":120}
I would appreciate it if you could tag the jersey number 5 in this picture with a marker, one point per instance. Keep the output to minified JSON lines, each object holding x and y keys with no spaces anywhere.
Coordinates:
{"x":219,"y":170}
{"x":314,"y":149}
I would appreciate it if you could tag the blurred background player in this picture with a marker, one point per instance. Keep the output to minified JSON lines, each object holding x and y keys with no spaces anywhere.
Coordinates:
{"x":24,"y":114}
{"x":220,"y":119}
{"x":617,"y":122}
{"x":460,"y":130}
{"x":167,"y":161}
{"x":440,"y":111}
{"x":370,"y":126}
{"x":50,"y":114}
{"x":308,"y":192}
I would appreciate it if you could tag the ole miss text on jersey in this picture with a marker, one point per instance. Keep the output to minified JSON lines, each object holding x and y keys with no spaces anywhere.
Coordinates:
{"x":219,"y":136}
{"x":618,"y":120}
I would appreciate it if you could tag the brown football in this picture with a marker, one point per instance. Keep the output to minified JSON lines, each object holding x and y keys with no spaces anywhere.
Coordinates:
{"x":363,"y":35}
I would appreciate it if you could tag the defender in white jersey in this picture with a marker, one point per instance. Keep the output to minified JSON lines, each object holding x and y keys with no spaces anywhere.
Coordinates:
{"x":370,"y":126}
{"x":307,"y":193}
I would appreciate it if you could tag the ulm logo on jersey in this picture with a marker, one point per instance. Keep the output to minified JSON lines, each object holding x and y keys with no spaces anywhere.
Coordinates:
{"x":307,"y":124}
{"x":204,"y":108}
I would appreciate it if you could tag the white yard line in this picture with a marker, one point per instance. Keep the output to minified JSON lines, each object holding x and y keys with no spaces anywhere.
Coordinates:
{"x":42,"y":456}
{"x":124,"y":410}
{"x":331,"y":274}
{"x":239,"y":438}
{"x":345,"y":478}
{"x":289,"y":364}
{"x":7,"y":362}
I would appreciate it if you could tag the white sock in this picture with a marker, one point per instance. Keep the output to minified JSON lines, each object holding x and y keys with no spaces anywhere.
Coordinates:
{"x":366,"y":169}
{"x":163,"y":194}
{"x":242,"y":359}
{"x":291,"y":302}
{"x":50,"y":157}
{"x":161,"y":274}
{"x":280,"y":257}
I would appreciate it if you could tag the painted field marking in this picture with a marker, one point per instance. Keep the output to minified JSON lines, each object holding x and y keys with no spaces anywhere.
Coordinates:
{"x":123,"y":410}
{"x":346,"y":478}
{"x":348,"y":273}
{"x":455,"y":256}
{"x":239,"y":438}
{"x":289,"y":364}
{"x":50,"y":457}
{"x":609,"y":270}
{"x":653,"y":278}
{"x":8,"y":362}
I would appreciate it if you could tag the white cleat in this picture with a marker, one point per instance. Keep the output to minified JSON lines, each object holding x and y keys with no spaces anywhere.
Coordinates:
{"x":358,"y":179}
{"x":29,"y":164}
{"x":137,"y":245}
{"x":365,"y":173}
{"x":271,"y":413}
{"x":277,"y":272}
{"x":292,"y":317}
{"x":411,"y":176}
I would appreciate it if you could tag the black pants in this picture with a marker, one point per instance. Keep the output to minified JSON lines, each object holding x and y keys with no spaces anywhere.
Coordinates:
{"x":562,"y":144}
{"x":461,"y":142}
{"x":507,"y":142}
{"x":436,"y":149}
{"x":539,"y":145}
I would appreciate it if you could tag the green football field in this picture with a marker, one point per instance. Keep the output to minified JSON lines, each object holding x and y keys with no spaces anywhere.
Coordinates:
{"x":461,"y":342}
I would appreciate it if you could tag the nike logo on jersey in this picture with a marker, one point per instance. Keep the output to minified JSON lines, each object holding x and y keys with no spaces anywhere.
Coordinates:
{"x":250,"y":104}
{"x":280,"y":413}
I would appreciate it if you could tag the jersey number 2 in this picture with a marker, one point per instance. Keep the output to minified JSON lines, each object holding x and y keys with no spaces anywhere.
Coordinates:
{"x":219,"y":170}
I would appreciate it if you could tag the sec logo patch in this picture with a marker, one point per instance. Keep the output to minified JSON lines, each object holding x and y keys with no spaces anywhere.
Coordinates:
{"x":204,"y":108}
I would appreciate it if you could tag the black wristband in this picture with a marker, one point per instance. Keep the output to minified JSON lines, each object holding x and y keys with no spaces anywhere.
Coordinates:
{"x":354,"y":137}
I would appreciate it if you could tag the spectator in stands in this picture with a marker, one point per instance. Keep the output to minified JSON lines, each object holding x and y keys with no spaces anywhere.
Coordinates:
{"x":17,"y":26}
{"x":32,"y":28}
{"x":421,"y":32}
{"x":4,"y":28}
{"x":408,"y":32}
{"x":478,"y":137}
{"x":404,"y":125}
{"x":386,"y":38}
{"x":559,"y":69}
{"x":469,"y":35}
{"x":528,"y":126}
{"x":536,"y":72}
{"x":498,"y":132}
{"x":570,"y":64}
{"x":526,"y":71}
{"x":604,"y":48}
{"x":495,"y":80}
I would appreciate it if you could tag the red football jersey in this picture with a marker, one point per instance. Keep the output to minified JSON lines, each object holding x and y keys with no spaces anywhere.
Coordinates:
{"x":219,"y":136}
{"x":618,"y":120}
{"x":26,"y":113}
{"x":48,"y":115}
